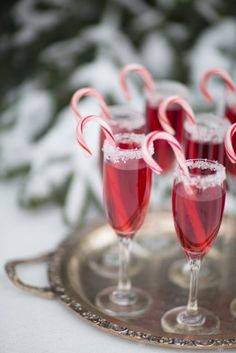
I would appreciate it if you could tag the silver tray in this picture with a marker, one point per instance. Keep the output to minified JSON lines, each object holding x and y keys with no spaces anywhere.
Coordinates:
{"x":75,"y":283}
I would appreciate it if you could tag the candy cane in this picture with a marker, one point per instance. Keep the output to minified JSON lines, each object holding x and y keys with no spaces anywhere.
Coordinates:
{"x":162,"y":135}
{"x":216,"y":72}
{"x":142,"y":71}
{"x":162,"y":112}
{"x":104,"y":125}
{"x":87,"y":91}
{"x":228,"y":143}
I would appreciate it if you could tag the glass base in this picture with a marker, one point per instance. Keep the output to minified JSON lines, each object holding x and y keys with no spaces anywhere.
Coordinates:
{"x":179,"y":273}
{"x":123,"y":304}
{"x":233,"y":308}
{"x":178,"y":321}
{"x":106,"y":264}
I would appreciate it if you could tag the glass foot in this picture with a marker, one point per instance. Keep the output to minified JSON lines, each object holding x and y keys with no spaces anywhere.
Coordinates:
{"x":178,"y":321}
{"x":106,"y":263}
{"x":179,"y":273}
{"x":123,"y":304}
{"x":233,"y":308}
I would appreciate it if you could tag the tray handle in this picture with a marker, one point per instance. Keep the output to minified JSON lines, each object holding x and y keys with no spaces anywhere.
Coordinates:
{"x":10,"y":268}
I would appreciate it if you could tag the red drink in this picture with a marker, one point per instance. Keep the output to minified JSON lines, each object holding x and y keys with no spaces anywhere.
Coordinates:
{"x":206,"y":138}
{"x":198,"y":212}
{"x":127,"y":186}
{"x":208,"y":150}
{"x":163,"y":153}
{"x":230,"y":113}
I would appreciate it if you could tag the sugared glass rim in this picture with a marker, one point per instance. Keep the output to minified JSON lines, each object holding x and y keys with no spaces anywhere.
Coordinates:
{"x":126,"y":117}
{"x":165,"y":89}
{"x":209,"y":128}
{"x":201,"y":181}
{"x":117,"y":154}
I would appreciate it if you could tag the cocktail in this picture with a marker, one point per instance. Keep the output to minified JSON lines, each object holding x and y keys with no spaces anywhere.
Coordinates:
{"x":198,"y":199}
{"x":163,"y":154}
{"x":126,"y":192}
{"x":121,"y":119}
{"x":155,"y":94}
{"x":205,"y":139}
{"x":229,"y":104}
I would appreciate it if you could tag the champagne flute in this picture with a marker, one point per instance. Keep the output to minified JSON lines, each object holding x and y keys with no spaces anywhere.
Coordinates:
{"x":205,"y":139}
{"x":197,"y":203}
{"x":121,"y":118}
{"x":156,"y":92}
{"x":126,"y":192}
{"x":198,"y":198}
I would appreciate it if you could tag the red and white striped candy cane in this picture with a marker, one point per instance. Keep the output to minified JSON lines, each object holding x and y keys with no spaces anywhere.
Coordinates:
{"x":142,"y":71}
{"x":80,"y":130}
{"x":162,"y":111}
{"x":228,"y":143}
{"x":216,"y":72}
{"x":162,"y":135}
{"x":88,"y":92}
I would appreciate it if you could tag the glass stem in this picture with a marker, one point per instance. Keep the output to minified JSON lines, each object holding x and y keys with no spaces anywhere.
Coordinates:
{"x":124,"y":283}
{"x":192,"y":306}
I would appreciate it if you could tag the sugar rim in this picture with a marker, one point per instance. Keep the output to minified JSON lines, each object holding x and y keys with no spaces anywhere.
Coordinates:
{"x":209,"y":128}
{"x":117,"y":154}
{"x":201,"y":181}
{"x":165,"y":89}
{"x":125,"y":117}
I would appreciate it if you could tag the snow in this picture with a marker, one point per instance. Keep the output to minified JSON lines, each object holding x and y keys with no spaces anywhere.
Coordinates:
{"x":31,"y":21}
{"x":208,"y":9}
{"x":146,"y":21}
{"x":208,"y":51}
{"x":158,"y":55}
{"x":212,"y":49}
{"x":178,"y":32}
{"x":32,"y":111}
{"x":167,"y":4}
{"x":55,"y":157}
{"x":134,"y":6}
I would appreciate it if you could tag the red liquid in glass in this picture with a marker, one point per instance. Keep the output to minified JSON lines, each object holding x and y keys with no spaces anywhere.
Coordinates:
{"x":198,"y":149}
{"x":197,"y":216}
{"x":126,"y":191}
{"x":163,"y":153}
{"x":230,"y":113}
